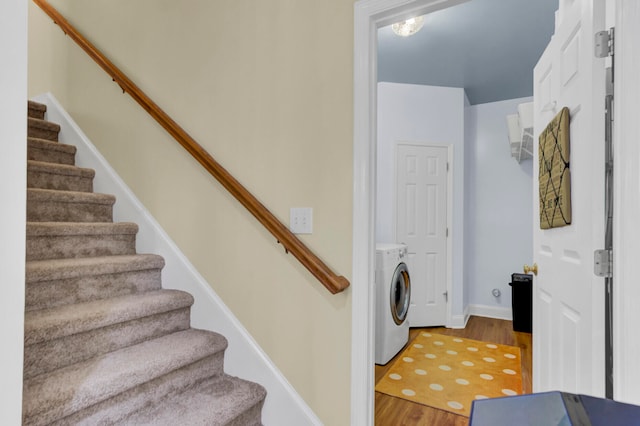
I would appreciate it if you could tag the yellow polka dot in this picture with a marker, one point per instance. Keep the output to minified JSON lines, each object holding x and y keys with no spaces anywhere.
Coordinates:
{"x":418,"y":345}
{"x":491,"y":346}
{"x":489,"y":359}
{"x":468,"y":363}
{"x":430,"y":356}
{"x":436,"y":387}
{"x":472,"y":349}
{"x":438,"y":343}
{"x":395,"y":376}
{"x":486,"y":376}
{"x":408,"y":392}
{"x":420,"y":372}
{"x":482,"y":397}
{"x":510,"y":356}
{"x":407,"y":359}
{"x":509,"y":392}
{"x":450,"y":352}
{"x":444,"y":368}
{"x":508,"y":371}
{"x":426,"y":334}
{"x":458,"y":340}
{"x":462,"y":382}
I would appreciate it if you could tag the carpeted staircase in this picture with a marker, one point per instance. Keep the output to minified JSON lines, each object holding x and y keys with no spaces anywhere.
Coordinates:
{"x":104,"y":343}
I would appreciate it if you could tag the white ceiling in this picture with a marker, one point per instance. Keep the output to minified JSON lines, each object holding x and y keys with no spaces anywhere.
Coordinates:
{"x":487,"y":47}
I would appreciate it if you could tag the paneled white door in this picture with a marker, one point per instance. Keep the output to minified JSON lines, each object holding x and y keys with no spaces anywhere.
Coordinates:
{"x":568,"y":299}
{"x":421,"y":223}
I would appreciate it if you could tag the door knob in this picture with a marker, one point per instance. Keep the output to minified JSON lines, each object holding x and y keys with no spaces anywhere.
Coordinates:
{"x":531,"y":269}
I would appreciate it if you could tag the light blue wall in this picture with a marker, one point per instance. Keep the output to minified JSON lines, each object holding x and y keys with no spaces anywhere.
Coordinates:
{"x":492,"y":201}
{"x":498,"y":201}
{"x":430,"y":114}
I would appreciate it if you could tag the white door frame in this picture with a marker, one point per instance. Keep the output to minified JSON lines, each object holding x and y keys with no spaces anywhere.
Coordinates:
{"x":626,"y":244}
{"x":449,"y":249}
{"x":371,"y":15}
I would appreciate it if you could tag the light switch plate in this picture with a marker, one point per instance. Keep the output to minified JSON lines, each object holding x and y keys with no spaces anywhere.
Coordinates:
{"x":301,"y":220}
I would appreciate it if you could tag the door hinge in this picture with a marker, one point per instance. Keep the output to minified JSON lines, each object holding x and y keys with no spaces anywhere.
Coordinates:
{"x":446,"y":232}
{"x":603,"y":263}
{"x":604,"y":43}
{"x":446,"y":296}
{"x":447,"y":166}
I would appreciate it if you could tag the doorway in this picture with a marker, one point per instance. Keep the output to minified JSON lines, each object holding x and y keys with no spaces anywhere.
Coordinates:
{"x":366,"y":157}
{"x":370,"y":15}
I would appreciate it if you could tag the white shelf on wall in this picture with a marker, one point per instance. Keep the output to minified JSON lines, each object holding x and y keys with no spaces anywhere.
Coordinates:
{"x":520,"y":127}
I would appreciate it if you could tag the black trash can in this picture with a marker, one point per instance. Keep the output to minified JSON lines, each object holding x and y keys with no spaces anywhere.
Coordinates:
{"x":521,"y":300}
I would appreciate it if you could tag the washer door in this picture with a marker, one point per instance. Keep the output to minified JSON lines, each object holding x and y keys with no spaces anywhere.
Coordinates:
{"x":400,"y":296}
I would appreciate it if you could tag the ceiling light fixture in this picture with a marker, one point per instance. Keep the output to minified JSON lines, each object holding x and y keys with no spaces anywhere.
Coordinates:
{"x":408,"y":27}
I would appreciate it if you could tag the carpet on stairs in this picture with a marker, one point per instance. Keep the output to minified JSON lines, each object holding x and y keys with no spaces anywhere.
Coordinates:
{"x":104,"y":342}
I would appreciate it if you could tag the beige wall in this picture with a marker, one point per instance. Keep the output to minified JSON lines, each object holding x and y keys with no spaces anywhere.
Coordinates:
{"x":271,"y":98}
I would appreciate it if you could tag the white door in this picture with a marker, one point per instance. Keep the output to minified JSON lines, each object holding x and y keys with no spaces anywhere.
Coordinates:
{"x":421,"y":223}
{"x":568,"y":299}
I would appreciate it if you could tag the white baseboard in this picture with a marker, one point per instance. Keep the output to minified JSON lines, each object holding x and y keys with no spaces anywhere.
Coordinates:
{"x":460,"y":321}
{"x":243,"y":358}
{"x":490,"y":312}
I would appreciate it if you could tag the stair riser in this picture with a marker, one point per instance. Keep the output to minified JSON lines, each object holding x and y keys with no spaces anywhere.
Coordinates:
{"x":47,"y":211}
{"x":36,"y":113}
{"x":50,"y":156}
{"x":44,"y":180}
{"x":42,"y":133}
{"x":223,"y":400}
{"x":252,"y":416}
{"x":48,"y":356}
{"x":113,"y":410}
{"x":49,"y":294}
{"x":77,"y":246}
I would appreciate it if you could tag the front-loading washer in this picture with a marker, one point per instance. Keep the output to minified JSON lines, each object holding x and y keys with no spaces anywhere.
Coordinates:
{"x":393,"y":296}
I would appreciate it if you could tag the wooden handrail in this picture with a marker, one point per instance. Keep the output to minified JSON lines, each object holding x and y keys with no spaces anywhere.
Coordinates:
{"x":291,"y":243}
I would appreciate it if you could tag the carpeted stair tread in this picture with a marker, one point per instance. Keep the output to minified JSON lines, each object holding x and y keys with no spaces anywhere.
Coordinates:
{"x":62,"y":177}
{"x":35,"y":229}
{"x":216,"y":401}
{"x":114,"y":410}
{"x":42,"y":129}
{"x":49,"y":205}
{"x":40,"y":194}
{"x":61,"y":169}
{"x":43,"y":357}
{"x":53,"y":396}
{"x":56,"y":269}
{"x":54,"y":323}
{"x":56,"y":282}
{"x":51,"y":240}
{"x":50,"y":152}
{"x":36,"y":110}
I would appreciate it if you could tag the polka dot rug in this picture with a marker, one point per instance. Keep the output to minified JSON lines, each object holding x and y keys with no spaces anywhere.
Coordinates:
{"x":448,"y":372}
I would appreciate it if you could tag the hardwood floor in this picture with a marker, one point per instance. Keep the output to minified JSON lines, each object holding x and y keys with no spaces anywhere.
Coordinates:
{"x":391,"y":411}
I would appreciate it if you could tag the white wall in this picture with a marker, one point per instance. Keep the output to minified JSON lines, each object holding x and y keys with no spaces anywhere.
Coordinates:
{"x":422,"y":114}
{"x":498,"y":206}
{"x":13,"y":134}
